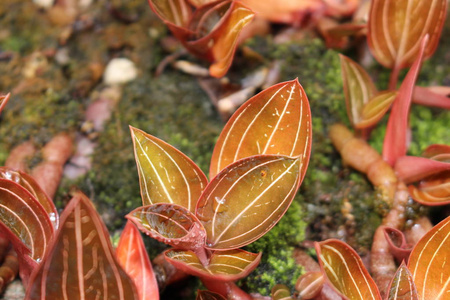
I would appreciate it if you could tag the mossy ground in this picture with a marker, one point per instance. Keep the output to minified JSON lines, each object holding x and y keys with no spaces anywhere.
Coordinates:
{"x":175,"y":109}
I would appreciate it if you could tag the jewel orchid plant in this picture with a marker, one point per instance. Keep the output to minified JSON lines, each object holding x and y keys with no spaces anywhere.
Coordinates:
{"x":257,"y":166}
{"x":207,"y":29}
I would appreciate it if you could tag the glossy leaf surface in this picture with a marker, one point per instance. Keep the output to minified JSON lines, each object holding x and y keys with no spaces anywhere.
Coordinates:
{"x":170,"y":224}
{"x":396,"y":28}
{"x":25,"y":220}
{"x":432,"y":191}
{"x":376,"y":108}
{"x":27,"y":182}
{"x":133,"y":257}
{"x":177,"y":12}
{"x":309,"y":285}
{"x":397,"y":243}
{"x":358,"y":88}
{"x":402,"y":286}
{"x":276,"y":121}
{"x":394,"y":145}
{"x":208,"y":295}
{"x":80,"y":264}
{"x":345,"y":270}
{"x":223,"y":265}
{"x":3,"y":100}
{"x":281,"y":292}
{"x":165,"y":174}
{"x":247,"y":199}
{"x":429,"y":263}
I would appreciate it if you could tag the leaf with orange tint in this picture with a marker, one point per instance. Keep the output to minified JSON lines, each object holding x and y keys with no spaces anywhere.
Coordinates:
{"x":281,"y":292}
{"x":228,"y":265}
{"x":429,"y":263}
{"x":432,"y":191}
{"x":247,"y":199}
{"x":170,"y":224}
{"x":28,"y":183}
{"x":165,"y":174}
{"x":376,"y":108}
{"x":394,"y":145}
{"x":208,"y":295}
{"x":358,"y":88}
{"x":309,"y":285}
{"x":345,"y":271}
{"x":397,"y":27}
{"x":276,"y":121}
{"x":402,"y":285}
{"x":438,"y":152}
{"x":24,"y":220}
{"x":133,"y":257}
{"x":80,"y":263}
{"x":397,"y":243}
{"x":3,"y":100}
{"x":176,"y":12}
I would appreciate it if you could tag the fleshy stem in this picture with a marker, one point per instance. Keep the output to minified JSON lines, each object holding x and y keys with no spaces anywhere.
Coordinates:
{"x":394,"y":78}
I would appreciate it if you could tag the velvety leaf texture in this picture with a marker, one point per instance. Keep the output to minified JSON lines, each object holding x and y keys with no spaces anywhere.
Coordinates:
{"x":223,"y":265}
{"x":276,"y":121}
{"x":376,"y":108}
{"x":165,"y":174}
{"x":247,"y":199}
{"x":170,"y":224}
{"x":80,"y":264}
{"x":133,"y":257}
{"x":402,"y":286}
{"x":396,"y":28}
{"x":345,"y":270}
{"x":429,"y":263}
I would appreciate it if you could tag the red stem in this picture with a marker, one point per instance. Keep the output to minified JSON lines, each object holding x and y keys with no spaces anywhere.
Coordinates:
{"x":394,"y":78}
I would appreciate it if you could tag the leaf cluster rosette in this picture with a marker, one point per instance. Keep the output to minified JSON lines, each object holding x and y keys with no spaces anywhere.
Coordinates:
{"x":207,"y":29}
{"x":257,"y":166}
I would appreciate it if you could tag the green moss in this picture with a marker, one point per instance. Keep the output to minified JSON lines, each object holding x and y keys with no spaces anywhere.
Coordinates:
{"x":277,"y":264}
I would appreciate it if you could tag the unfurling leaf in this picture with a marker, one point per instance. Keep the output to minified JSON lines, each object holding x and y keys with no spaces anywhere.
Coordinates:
{"x":24,"y":220}
{"x":309,"y":285}
{"x":80,"y":263}
{"x":376,"y":108}
{"x":358,"y":88}
{"x":276,"y":121}
{"x":208,"y":295}
{"x":27,"y":182}
{"x":397,"y":27}
{"x":3,"y":100}
{"x":281,"y":292}
{"x":397,"y":243}
{"x":170,"y":224}
{"x":429,"y":265}
{"x":402,"y":285}
{"x":345,"y":271}
{"x":433,"y":190}
{"x":394,"y":145}
{"x":133,"y":257}
{"x":165,"y":174}
{"x":247,"y":199}
{"x":225,"y":266}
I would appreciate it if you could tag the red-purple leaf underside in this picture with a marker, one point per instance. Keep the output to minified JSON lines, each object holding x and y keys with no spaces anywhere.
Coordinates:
{"x":397,"y":244}
{"x":402,"y":285}
{"x":396,"y":28}
{"x":345,"y":271}
{"x":3,"y":100}
{"x":208,"y":295}
{"x":25,"y":219}
{"x":432,"y":191}
{"x":411,"y":168}
{"x":281,"y":292}
{"x":276,"y":121}
{"x":429,"y":263}
{"x":80,"y":264}
{"x":228,"y":265}
{"x":176,"y":12}
{"x":394,"y":145}
{"x":358,"y":88}
{"x":133,"y":257}
{"x":170,"y":224}
{"x":247,"y":199}
{"x":428,"y":97}
{"x":28,"y":183}
{"x":165,"y":174}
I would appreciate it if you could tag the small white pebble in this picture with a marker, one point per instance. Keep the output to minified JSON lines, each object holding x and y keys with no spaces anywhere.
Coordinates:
{"x":119,"y":70}
{"x":44,"y":3}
